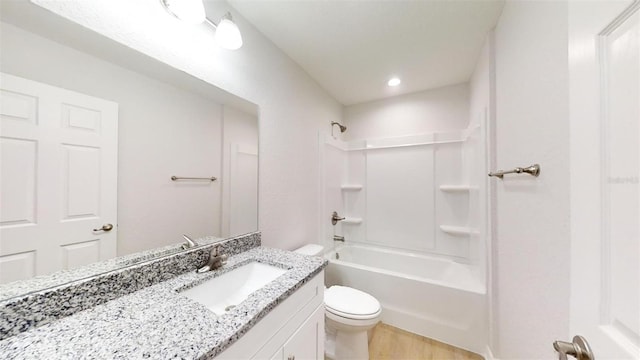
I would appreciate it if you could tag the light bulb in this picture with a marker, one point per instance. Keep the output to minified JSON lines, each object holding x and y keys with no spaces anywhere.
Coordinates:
{"x":228,"y":35}
{"x":189,"y":11}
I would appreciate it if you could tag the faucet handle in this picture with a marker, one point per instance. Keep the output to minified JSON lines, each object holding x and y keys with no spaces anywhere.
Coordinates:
{"x":335,"y":218}
{"x":189,"y":242}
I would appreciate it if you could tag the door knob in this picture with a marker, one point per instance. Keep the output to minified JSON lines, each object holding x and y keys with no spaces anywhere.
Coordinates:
{"x":579,"y":349}
{"x":105,"y":227}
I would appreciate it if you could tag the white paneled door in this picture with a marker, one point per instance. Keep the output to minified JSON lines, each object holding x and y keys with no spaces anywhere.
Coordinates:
{"x":604,"y":38}
{"x":243,"y":190}
{"x":58,"y":178}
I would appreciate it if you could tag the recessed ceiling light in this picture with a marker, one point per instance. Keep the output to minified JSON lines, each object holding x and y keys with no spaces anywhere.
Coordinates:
{"x":393,"y":82}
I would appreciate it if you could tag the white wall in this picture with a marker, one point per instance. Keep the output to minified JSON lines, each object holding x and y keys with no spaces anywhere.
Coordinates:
{"x":441,"y":109}
{"x":480,"y":84}
{"x":293,"y":108}
{"x":532,"y":239}
{"x":163,"y":131}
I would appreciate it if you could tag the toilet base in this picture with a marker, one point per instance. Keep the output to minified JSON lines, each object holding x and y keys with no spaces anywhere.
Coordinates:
{"x":343,"y":342}
{"x":352,"y":345}
{"x":345,"y":345}
{"x":329,"y":344}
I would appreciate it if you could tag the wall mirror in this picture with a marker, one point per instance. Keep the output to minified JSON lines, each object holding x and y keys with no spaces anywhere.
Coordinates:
{"x":92,"y":133}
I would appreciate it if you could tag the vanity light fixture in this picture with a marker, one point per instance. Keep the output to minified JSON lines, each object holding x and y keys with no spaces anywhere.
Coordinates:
{"x":394,"y":81}
{"x":227,"y":33}
{"x":192,"y":11}
{"x":189,"y":11}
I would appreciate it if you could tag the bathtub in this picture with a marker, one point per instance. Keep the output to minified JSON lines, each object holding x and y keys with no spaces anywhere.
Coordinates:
{"x":433,"y":297}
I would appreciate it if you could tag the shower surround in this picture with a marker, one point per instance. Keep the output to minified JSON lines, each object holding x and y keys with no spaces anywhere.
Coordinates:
{"x":415,"y":225}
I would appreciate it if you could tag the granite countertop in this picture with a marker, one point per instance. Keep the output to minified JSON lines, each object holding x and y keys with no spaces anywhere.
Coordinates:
{"x":159,"y":323}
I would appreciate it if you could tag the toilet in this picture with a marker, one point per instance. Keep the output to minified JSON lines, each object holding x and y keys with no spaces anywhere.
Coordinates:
{"x":349,"y":315}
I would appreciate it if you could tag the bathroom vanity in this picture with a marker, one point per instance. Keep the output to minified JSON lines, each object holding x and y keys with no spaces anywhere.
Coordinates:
{"x":293,"y":330}
{"x":282,"y":319}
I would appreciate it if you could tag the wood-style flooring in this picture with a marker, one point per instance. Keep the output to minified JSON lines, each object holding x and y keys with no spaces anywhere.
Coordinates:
{"x":392,"y":343}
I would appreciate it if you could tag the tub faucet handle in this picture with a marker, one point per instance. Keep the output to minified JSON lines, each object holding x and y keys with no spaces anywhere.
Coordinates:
{"x":335,"y":218}
{"x":338,"y":238}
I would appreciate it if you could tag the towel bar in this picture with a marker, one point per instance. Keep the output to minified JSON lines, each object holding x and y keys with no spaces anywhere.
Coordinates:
{"x":533,"y":170}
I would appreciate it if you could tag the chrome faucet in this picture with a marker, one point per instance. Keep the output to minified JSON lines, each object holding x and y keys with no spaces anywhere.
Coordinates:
{"x":215,"y":261}
{"x":338,"y":238}
{"x":189,"y":242}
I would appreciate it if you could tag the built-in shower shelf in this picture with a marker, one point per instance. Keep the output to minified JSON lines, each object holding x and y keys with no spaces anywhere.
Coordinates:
{"x":351,"y":187}
{"x":458,"y":230}
{"x":456,"y":188}
{"x":352,"y":221}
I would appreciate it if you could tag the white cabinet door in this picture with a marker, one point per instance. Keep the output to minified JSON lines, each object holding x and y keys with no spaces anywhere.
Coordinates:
{"x":308,"y":341}
{"x":58,"y":178}
{"x":604,"y":39}
{"x":275,"y":331}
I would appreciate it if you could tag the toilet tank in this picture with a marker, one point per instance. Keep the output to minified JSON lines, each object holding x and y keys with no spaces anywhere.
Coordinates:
{"x":310,"y":249}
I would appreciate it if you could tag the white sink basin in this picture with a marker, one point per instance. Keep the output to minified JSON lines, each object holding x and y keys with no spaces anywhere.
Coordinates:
{"x":222,"y":293}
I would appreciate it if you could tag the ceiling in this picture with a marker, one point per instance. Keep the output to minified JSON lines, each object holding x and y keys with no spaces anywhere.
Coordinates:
{"x":353,"y":47}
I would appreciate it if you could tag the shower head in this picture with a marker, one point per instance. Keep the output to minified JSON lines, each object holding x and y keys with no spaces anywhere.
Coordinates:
{"x":342,"y":127}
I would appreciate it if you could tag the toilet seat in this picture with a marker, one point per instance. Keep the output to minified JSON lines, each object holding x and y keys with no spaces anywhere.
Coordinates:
{"x":339,"y":314}
{"x":351,"y":303}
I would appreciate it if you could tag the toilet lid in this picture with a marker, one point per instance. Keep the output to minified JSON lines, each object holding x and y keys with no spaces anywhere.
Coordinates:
{"x":350,"y":303}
